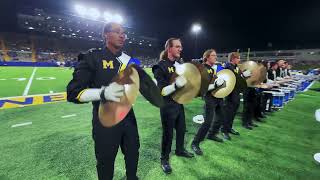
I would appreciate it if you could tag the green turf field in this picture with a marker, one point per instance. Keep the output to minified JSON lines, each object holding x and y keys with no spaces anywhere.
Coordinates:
{"x":53,"y":147}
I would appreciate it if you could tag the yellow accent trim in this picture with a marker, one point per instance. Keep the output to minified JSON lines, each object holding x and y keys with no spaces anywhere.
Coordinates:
{"x":162,"y":93}
{"x":123,"y":67}
{"x":80,"y":93}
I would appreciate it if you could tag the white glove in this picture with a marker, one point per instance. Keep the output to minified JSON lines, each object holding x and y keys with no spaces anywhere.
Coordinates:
{"x":279,"y":78}
{"x":199,"y":119}
{"x":217,"y":83}
{"x":180,"y":81}
{"x":269,"y":81}
{"x":114,"y":92}
{"x":246,"y":73}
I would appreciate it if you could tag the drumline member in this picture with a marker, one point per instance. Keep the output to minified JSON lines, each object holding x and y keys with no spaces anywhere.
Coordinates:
{"x":272,"y":72}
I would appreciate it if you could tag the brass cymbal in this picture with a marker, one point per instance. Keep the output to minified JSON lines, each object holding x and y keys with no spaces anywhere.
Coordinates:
{"x":230,"y":82}
{"x":111,"y":113}
{"x":148,"y":88}
{"x":255,"y":74}
{"x":205,"y":80}
{"x":192,"y":88}
{"x":263,"y":73}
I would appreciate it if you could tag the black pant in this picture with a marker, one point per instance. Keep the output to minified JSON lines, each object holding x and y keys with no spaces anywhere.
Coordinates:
{"x":172,"y":116}
{"x":107,"y":141}
{"x":232,"y":102}
{"x":260,"y":106}
{"x":213,"y":112}
{"x":249,"y":105}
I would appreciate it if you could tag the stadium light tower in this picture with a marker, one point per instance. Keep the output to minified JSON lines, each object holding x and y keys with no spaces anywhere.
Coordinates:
{"x":94,"y":13}
{"x":118,"y":19}
{"x":196,"y":29}
{"x":107,"y":16}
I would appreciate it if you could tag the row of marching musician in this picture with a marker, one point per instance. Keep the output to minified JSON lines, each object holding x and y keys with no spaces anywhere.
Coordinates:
{"x":264,"y":86}
{"x":111,"y":81}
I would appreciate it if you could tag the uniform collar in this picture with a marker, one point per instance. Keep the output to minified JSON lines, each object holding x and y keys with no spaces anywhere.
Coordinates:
{"x":107,"y":53}
{"x":207,"y":65}
{"x":233,"y":65}
{"x":169,"y":61}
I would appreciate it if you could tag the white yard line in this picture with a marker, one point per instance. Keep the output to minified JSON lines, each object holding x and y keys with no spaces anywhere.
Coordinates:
{"x":21,"y":124}
{"x":67,"y":116}
{"x":309,"y":86}
{"x":26,"y":90}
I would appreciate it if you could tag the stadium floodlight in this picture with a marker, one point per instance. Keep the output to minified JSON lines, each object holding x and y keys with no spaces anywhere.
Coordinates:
{"x":93,"y":13}
{"x":196,"y":28}
{"x":81,"y":10}
{"x":118,"y":19}
{"x":107,"y":16}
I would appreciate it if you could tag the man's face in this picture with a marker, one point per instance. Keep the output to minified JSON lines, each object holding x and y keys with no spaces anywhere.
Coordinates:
{"x":280,"y":63}
{"x":116,"y":36}
{"x":275,"y":67}
{"x":176,"y":49}
{"x":212,"y":57}
{"x":285,"y":65}
{"x":236,"y":60}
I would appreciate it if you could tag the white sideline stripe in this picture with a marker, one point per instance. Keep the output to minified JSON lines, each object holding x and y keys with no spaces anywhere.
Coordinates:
{"x":31,"y":95}
{"x":26,"y":90}
{"x":67,"y":116}
{"x":309,"y":86}
{"x":317,"y":115}
{"x":21,"y":124}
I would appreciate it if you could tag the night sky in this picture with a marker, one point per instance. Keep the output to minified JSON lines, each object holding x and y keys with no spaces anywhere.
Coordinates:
{"x":226,"y":25}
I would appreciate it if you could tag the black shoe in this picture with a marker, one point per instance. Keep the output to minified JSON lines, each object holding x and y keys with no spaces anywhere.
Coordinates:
{"x":261,"y":116}
{"x":195,"y":147}
{"x":253,"y":125}
{"x":166,"y":166}
{"x":185,"y":154}
{"x":226,"y":136}
{"x":215,"y":138}
{"x":234,"y":132}
{"x":258,"y":119}
{"x":247,"y":127}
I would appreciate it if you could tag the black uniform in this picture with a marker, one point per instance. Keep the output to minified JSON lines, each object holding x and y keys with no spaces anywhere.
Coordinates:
{"x":272,"y":74}
{"x":96,"y":69}
{"x":249,"y":105}
{"x":280,"y":72}
{"x":213,"y":110}
{"x":172,"y":113}
{"x":232,"y":101}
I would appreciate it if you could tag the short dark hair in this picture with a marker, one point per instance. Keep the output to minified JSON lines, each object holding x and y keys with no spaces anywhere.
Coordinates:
{"x":273,"y":64}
